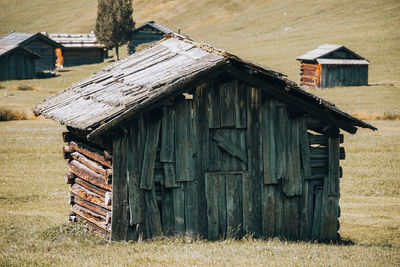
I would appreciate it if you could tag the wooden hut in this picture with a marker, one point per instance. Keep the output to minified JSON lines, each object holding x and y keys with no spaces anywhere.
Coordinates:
{"x":149,"y":32}
{"x":79,"y":48}
{"x":39,"y":44}
{"x":332,"y":65}
{"x":16,"y":62}
{"x":199,"y":141}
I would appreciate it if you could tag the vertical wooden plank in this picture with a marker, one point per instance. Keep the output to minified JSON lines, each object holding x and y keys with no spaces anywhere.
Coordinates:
{"x":268,"y":141}
{"x":240,"y":104}
{"x":234,"y":210}
{"x":330,"y":202}
{"x":291,"y":217}
{"x":254,"y":148}
{"x":247,"y":203}
{"x":152,"y":212}
{"x":281,"y":147}
{"x":227,"y":104}
{"x":222,"y":205}
{"x":292,"y":184}
{"x":183,"y":140}
{"x":191,"y":208}
{"x":305,"y":149}
{"x":134,"y":150}
{"x":214,"y":119}
{"x":167,"y":212}
{"x":149,"y":157}
{"x":315,"y":233}
{"x":268,"y":210}
{"x":179,"y":209}
{"x":211,"y":189}
{"x":167,"y":135}
{"x":200,"y":125}
{"x":169,"y":174}
{"x":305,"y":225}
{"x":120,"y":219}
{"x":243,"y":145}
{"x":333,"y":163}
{"x":214,"y":154}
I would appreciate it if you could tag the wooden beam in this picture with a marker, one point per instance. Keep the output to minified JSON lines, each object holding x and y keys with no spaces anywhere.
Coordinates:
{"x":230,"y":147}
{"x":91,"y":152}
{"x":87,"y":174}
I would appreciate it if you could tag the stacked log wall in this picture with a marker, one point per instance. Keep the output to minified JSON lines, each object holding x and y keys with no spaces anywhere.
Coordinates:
{"x":308,"y":75}
{"x":89,"y":177}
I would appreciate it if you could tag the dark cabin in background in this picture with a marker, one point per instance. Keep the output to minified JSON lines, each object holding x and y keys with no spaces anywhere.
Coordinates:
{"x":16,"y":62}
{"x":79,"y":48}
{"x":37,"y":43}
{"x":188,"y":139}
{"x":332,"y":65}
{"x":147,"y":33}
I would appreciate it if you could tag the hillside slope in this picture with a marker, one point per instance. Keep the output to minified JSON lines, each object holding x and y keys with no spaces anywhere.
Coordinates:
{"x":270,"y":32}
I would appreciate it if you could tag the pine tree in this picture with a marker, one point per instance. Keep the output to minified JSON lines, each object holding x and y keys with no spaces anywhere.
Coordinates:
{"x":114,"y":23}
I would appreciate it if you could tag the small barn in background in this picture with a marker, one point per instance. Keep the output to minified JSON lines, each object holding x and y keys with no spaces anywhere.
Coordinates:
{"x":147,"y":33}
{"x":332,"y":65}
{"x":37,"y":43}
{"x":184,"y":138}
{"x":79,"y":48}
{"x":17,"y":62}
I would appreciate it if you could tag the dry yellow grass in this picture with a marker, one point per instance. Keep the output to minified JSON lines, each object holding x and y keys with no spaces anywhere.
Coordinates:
{"x":362,"y":115}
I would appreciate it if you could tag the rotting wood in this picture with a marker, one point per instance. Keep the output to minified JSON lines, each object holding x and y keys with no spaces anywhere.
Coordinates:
{"x":211,"y":188}
{"x":169,"y":174}
{"x":90,"y":206}
{"x":87,"y":174}
{"x":167,"y":135}
{"x":254,"y":145}
{"x":291,"y":220}
{"x":90,"y":216}
{"x":91,"y":152}
{"x":149,"y":157}
{"x":120,"y":220}
{"x":214,"y":120}
{"x":315,"y":232}
{"x":247,"y":203}
{"x":93,"y":228}
{"x":67,"y":150}
{"x":240,"y":104}
{"x":268,"y":141}
{"x":89,"y":196}
{"x":167,"y":211}
{"x":179,"y":209}
{"x":89,"y":163}
{"x":227,"y":104}
{"x":230,"y":147}
{"x":234,"y":211}
{"x":191,"y":208}
{"x":98,"y":190}
{"x":152,"y":212}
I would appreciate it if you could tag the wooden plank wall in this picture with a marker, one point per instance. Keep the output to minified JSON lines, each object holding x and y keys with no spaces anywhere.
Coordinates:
{"x":344,"y":75}
{"x":80,"y":56}
{"x":223,"y":166}
{"x":17,"y":65}
{"x":308,"y":74}
{"x":46,"y":51}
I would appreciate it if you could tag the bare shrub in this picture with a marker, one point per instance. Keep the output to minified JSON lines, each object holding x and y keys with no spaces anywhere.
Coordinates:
{"x":24,"y":87}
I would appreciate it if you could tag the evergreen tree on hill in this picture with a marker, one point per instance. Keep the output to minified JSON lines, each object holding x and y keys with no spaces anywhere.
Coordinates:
{"x":114,"y":23}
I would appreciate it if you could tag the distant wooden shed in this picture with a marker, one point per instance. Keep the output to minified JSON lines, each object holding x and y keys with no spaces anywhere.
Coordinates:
{"x":149,"y":32}
{"x":39,"y":44}
{"x":183,"y":138}
{"x":79,"y":48}
{"x":16,"y":62}
{"x":332,"y":65}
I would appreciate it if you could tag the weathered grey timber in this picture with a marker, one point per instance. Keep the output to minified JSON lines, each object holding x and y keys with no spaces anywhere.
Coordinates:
{"x":203,"y":143}
{"x":39,"y":44}
{"x":79,"y":48}
{"x":333,"y":65}
{"x":148,"y":32}
{"x":17,"y":62}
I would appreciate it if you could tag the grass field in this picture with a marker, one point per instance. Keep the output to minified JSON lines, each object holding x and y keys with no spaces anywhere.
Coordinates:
{"x":33,"y":194}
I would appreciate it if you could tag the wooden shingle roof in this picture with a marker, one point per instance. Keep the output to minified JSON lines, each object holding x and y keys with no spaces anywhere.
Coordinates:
{"x":154,"y":25}
{"x":22,"y":38}
{"x":127,"y":87}
{"x":5,"y":49}
{"x":81,"y":40}
{"x":326,"y":50}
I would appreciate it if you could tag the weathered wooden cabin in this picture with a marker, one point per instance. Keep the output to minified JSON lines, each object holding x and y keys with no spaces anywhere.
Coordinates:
{"x":189,"y":139}
{"x":79,"y":48}
{"x":149,"y":32}
{"x":16,"y":62}
{"x":332,"y":65}
{"x":39,"y":44}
